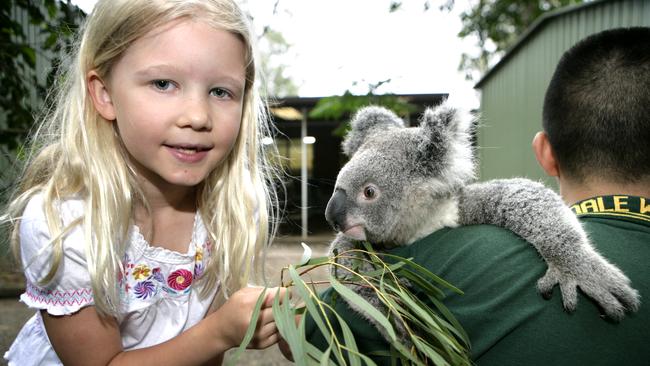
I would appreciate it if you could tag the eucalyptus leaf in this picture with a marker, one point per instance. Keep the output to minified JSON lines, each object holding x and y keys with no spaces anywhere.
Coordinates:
{"x":350,"y":342}
{"x":324,"y":360}
{"x":306,"y":254}
{"x":365,"y":306}
{"x":393,"y":267}
{"x":310,"y":304}
{"x":432,"y":355}
{"x":284,"y":318}
{"x":428,"y":274}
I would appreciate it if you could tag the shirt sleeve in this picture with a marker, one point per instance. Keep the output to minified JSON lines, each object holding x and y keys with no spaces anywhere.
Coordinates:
{"x":70,"y":289}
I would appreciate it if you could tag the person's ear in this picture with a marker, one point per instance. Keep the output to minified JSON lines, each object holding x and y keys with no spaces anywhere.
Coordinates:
{"x":544,"y":154}
{"x":100,"y":96}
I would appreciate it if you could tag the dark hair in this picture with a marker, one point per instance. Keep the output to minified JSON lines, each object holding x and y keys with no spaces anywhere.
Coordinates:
{"x":597,"y":107}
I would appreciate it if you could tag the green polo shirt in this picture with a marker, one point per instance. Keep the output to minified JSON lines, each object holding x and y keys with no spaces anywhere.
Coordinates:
{"x":508,"y":322}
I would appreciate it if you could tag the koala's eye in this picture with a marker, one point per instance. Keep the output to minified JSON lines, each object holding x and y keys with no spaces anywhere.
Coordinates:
{"x":370,"y":192}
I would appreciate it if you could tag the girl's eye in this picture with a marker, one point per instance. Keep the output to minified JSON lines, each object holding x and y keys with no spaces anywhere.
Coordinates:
{"x":220,"y":93}
{"x":162,"y":84}
{"x":369,"y":192}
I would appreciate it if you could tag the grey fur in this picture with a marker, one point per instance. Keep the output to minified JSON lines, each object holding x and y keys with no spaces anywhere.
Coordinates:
{"x":421,"y":177}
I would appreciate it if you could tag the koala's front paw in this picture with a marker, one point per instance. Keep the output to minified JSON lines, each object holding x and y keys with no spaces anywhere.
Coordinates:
{"x":347,"y":259}
{"x":598,"y":279}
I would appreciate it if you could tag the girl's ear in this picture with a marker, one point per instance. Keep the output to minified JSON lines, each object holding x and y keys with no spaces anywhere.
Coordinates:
{"x":544,"y":154}
{"x":100,"y":96}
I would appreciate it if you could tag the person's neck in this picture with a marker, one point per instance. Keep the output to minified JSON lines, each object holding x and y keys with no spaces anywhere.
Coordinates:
{"x":163,"y":197}
{"x":168,"y":219}
{"x":573,"y":192}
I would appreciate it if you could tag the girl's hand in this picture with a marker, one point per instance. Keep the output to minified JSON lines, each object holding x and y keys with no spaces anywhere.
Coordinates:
{"x":84,"y":338}
{"x":233,"y":318}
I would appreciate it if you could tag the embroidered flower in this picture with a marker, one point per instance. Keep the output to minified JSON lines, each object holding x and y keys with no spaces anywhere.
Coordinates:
{"x":157,"y":275}
{"x":198,"y":270}
{"x":144,"y":289}
{"x":180,"y":279}
{"x":199,"y":255}
{"x":141,"y":272}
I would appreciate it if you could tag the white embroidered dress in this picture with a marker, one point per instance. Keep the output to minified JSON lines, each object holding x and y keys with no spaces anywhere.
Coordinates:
{"x":159,"y":300}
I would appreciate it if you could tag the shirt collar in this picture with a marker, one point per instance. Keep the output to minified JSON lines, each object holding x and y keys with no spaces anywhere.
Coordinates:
{"x":615,"y":206}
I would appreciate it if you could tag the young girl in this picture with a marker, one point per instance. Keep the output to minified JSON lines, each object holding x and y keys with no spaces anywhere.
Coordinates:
{"x":147,"y":194}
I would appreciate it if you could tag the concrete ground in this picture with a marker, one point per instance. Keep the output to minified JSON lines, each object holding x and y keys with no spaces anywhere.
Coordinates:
{"x":285,"y":250}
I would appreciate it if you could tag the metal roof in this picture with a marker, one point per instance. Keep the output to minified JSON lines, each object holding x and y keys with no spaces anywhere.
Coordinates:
{"x":536,"y":27}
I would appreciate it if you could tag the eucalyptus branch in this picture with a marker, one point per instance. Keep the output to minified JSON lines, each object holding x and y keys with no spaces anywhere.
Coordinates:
{"x":427,"y":332}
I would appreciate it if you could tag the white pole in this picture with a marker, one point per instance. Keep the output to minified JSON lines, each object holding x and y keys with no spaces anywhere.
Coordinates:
{"x":303,"y":173}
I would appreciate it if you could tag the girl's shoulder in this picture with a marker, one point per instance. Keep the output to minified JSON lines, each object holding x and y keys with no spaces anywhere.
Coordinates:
{"x":68,"y":209}
{"x":63,"y":289}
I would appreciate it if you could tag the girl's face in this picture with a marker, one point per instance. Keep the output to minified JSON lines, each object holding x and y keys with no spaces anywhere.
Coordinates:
{"x":176,"y":95}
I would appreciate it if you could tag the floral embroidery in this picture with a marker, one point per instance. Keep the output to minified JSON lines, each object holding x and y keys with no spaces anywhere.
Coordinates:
{"x":144,"y":289}
{"x":157,"y":275}
{"x":180,"y":279}
{"x":208,"y":247}
{"x":142,"y":279}
{"x":198,"y":257}
{"x":198,"y":270}
{"x":199,"y":266}
{"x":141,"y":272}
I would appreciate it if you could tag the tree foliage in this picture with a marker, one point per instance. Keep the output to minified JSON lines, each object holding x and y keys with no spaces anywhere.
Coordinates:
{"x":25,"y":87}
{"x":495,"y":24}
{"x":272,"y":46}
{"x":34,"y":38}
{"x":341,"y":106}
{"x":277,"y":82}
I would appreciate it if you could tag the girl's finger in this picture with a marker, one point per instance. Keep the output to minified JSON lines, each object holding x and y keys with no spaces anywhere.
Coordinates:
{"x":266,"y":316}
{"x":271,"y":294}
{"x":264,"y":342}
{"x":267,"y":330}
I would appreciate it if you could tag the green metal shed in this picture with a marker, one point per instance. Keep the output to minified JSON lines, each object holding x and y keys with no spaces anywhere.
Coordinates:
{"x":512,"y":92}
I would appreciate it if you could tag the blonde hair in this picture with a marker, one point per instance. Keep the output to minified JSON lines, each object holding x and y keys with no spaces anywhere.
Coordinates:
{"x":75,"y":153}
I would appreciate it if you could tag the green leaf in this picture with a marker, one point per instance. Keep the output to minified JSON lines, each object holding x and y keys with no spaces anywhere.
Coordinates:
{"x":311,"y":302}
{"x":250,"y":331}
{"x":432,"y":322}
{"x":426,"y":273}
{"x":285,"y":321}
{"x":315,"y":355}
{"x":315,"y":262}
{"x":430,"y":353}
{"x":422,"y":283}
{"x":455,"y":327}
{"x":406,"y":354}
{"x":29,"y":55}
{"x":365,"y":306}
{"x":325,"y":357}
{"x":50,"y":41}
{"x":350,"y":342}
{"x":306,"y":296}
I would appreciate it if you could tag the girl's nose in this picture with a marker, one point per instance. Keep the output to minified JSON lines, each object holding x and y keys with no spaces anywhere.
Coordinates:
{"x":196,"y":114}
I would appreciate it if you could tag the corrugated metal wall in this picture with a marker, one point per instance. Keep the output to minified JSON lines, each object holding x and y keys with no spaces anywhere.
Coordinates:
{"x":512,"y":98}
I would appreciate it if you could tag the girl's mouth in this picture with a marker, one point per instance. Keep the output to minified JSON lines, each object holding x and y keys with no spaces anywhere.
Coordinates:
{"x":188,"y":153}
{"x":186,"y":150}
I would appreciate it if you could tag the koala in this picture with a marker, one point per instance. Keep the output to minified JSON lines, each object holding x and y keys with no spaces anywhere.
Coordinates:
{"x":403,"y":183}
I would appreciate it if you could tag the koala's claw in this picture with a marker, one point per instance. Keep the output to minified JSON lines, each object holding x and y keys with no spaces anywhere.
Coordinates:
{"x":568,"y":287}
{"x":601,"y":281}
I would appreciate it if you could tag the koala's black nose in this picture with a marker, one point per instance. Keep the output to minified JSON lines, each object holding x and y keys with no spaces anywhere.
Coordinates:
{"x":335,"y":211}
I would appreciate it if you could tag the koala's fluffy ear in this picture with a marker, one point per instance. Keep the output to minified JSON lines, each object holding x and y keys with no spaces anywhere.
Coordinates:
{"x":443,"y":128}
{"x":365,"y":122}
